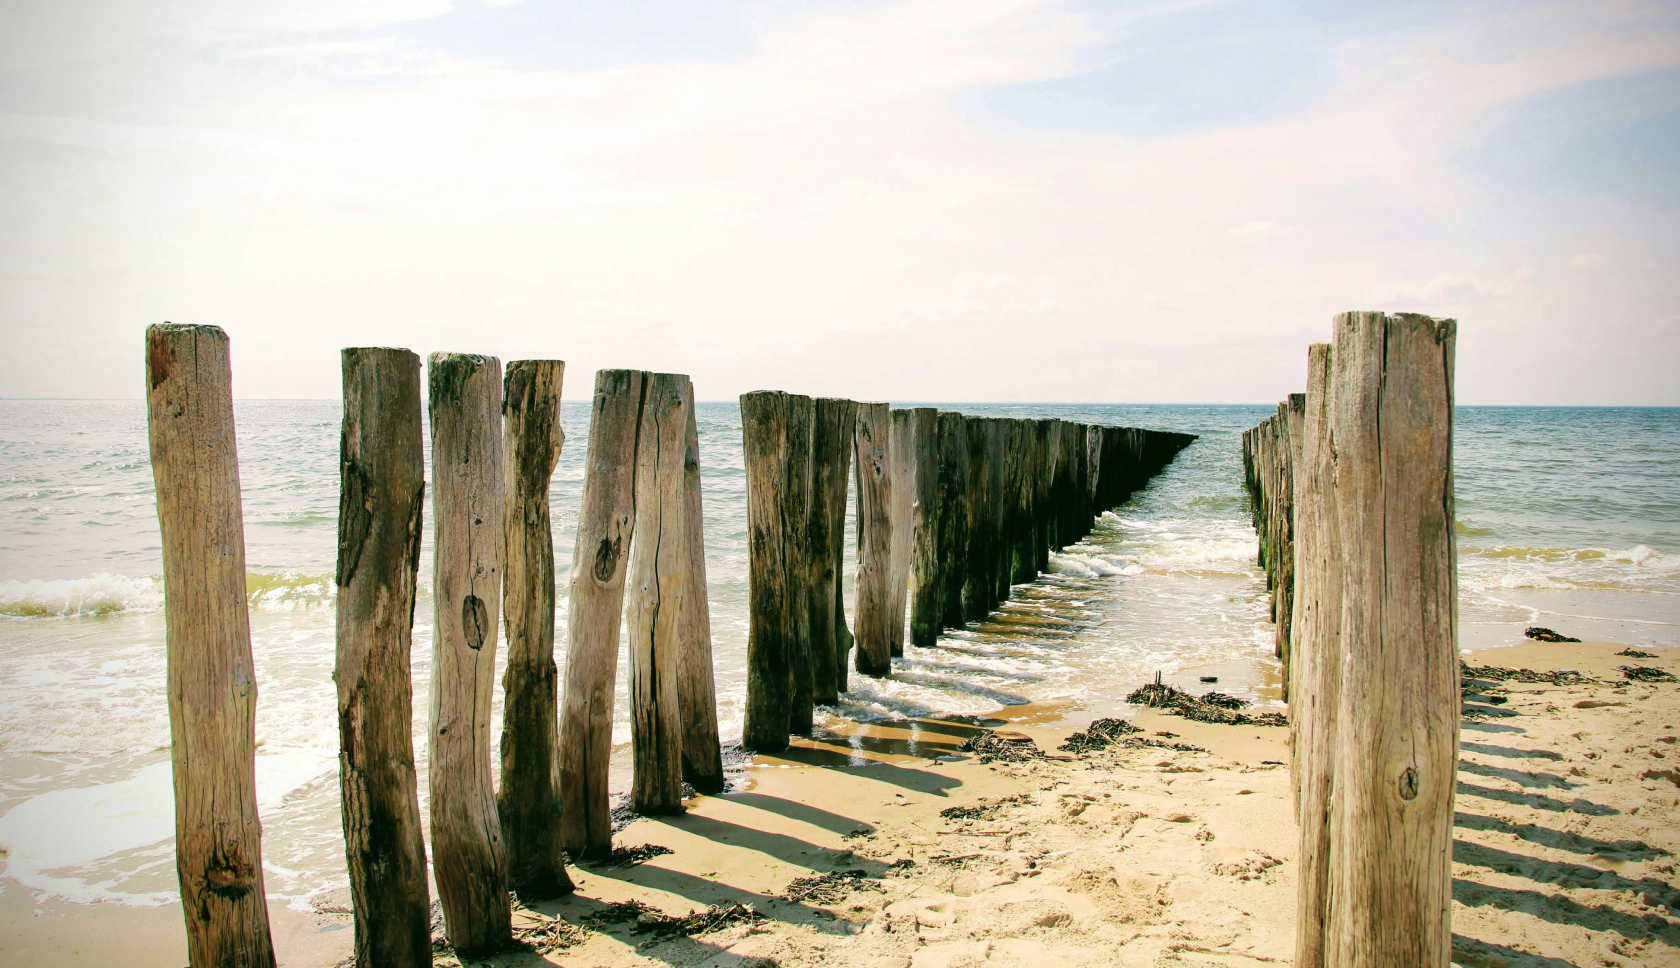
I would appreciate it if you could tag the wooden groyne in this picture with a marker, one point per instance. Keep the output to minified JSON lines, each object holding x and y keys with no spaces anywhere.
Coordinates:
{"x":1353,"y":501}
{"x":953,"y":510}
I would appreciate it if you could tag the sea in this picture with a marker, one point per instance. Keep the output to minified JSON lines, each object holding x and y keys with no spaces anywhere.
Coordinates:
{"x":1567,"y":518}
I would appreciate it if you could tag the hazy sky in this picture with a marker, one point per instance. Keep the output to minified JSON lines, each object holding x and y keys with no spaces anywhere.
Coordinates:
{"x":920,"y":200}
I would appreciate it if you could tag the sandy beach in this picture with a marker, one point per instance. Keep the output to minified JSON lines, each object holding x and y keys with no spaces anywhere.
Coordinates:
{"x":1173,"y":845}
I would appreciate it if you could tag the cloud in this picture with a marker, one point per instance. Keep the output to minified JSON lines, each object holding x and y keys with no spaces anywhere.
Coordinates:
{"x":1442,"y":290}
{"x":1253,"y":232}
{"x":1588,"y":260}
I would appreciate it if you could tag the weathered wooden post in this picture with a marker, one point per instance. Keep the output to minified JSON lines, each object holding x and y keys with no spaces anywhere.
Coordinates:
{"x":528,"y":803}
{"x":843,"y":638}
{"x":925,"y":603}
{"x":1314,"y":696}
{"x":468,"y":862}
{"x":977,"y":582}
{"x":212,"y":687}
{"x":1003,"y":462}
{"x":1045,"y":437}
{"x":381,"y":490}
{"x":901,"y":457}
{"x":1024,"y":453}
{"x":953,"y":516}
{"x":874,"y":579}
{"x":1397,"y":738}
{"x":796,"y":551}
{"x":595,"y":608}
{"x":702,"y":754}
{"x":831,"y":448}
{"x":655,"y":588}
{"x":764,"y":439}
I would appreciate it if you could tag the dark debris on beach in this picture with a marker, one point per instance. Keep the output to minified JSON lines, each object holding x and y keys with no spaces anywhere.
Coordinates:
{"x":1003,"y":745}
{"x":1212,"y":707}
{"x":1561,"y":677}
{"x":1646,"y":674}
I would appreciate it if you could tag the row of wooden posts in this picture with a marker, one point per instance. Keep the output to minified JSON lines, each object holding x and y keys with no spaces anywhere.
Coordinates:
{"x":1353,"y":500}
{"x":952,"y":510}
{"x":640,"y":557}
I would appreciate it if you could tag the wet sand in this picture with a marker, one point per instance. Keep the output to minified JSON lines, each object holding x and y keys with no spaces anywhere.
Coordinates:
{"x":1568,"y":833}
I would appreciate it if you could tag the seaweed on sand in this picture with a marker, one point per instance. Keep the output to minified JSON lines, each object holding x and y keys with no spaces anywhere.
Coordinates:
{"x":1646,"y":674}
{"x":1561,"y":677}
{"x":1003,"y":745}
{"x":1213,"y":707}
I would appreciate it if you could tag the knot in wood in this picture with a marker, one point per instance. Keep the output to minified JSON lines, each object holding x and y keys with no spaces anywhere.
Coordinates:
{"x":475,"y":621}
{"x":606,"y":559}
{"x":1409,"y":783}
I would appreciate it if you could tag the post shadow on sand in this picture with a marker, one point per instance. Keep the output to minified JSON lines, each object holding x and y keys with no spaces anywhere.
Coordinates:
{"x":1544,"y":781}
{"x":1559,"y":839}
{"x":1537,"y":801}
{"x":676,"y":950}
{"x":1488,"y":749}
{"x":783,"y":847}
{"x":1563,"y":874}
{"x":1561,"y":910}
{"x":1482,"y":727}
{"x":835,"y":758}
{"x":1470,"y":951}
{"x":804,"y":813}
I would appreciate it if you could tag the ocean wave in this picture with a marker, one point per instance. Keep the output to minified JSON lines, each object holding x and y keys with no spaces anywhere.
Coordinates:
{"x":108,"y":594}
{"x":1090,"y":566}
{"x":100,"y":594}
{"x":1639,"y":568}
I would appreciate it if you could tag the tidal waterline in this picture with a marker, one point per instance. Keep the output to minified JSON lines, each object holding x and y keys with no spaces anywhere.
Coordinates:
{"x":1567,"y":518}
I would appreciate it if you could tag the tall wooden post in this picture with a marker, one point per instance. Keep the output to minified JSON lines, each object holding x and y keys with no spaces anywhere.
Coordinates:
{"x":831,"y":439}
{"x":1003,"y":468}
{"x":594,"y":610}
{"x":874,"y":580}
{"x":655,"y":588}
{"x":465,"y":406}
{"x":1397,"y":742}
{"x":1315,"y":693}
{"x":953,"y":516}
{"x":212,"y":687}
{"x":702,"y":754}
{"x":977,"y":583}
{"x":528,"y":803}
{"x":843,"y":638}
{"x":796,"y":549}
{"x":382,"y":486}
{"x":1045,"y":436}
{"x":901,"y":455}
{"x":925,"y":603}
{"x":764,"y":439}
{"x":1023,"y":454}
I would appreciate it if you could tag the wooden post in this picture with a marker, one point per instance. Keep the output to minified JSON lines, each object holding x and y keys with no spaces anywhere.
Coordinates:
{"x":902,"y":459}
{"x":953,"y":516}
{"x":465,"y":406}
{"x":925,"y":604}
{"x":1045,"y":436}
{"x":595,"y":608}
{"x":1022,"y":568}
{"x":702,"y":754}
{"x":382,"y":486}
{"x":843,"y":638}
{"x":764,"y":439}
{"x":1002,"y":463}
{"x":1316,"y":690}
{"x":831,"y":447}
{"x":1397,"y":741}
{"x":212,"y":688}
{"x":654,"y":588}
{"x":796,"y":551}
{"x":528,"y":803}
{"x":977,"y":583}
{"x":874,"y":580}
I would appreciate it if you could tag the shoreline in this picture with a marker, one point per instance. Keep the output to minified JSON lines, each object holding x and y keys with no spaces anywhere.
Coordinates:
{"x":1567,"y":839}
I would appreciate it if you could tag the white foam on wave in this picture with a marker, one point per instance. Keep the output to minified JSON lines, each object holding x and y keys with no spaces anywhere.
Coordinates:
{"x":1639,"y":568}
{"x":54,"y":840}
{"x":1090,"y":566}
{"x":100,"y":594}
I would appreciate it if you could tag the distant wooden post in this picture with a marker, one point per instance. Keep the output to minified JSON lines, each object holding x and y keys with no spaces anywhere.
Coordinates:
{"x":1003,"y":469}
{"x":702,"y":754}
{"x":925,"y":603}
{"x":831,"y":440}
{"x":212,"y":688}
{"x":796,"y":551}
{"x":528,"y":803}
{"x":874,"y":580}
{"x":655,"y":588}
{"x":843,"y":638}
{"x":1021,"y":562}
{"x":465,"y":405}
{"x":381,"y":490}
{"x":594,"y":610}
{"x":1397,"y":738}
{"x":901,"y":455}
{"x":977,"y":584}
{"x":764,"y":439}
{"x":1316,"y":691}
{"x":1044,"y":469}
{"x":953,"y":516}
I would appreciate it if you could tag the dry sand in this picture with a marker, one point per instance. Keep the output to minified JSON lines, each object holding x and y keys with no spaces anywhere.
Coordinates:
{"x":1567,"y":839}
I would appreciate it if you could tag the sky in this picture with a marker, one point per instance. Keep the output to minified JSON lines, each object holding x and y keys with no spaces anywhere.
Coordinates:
{"x":953,"y":200}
